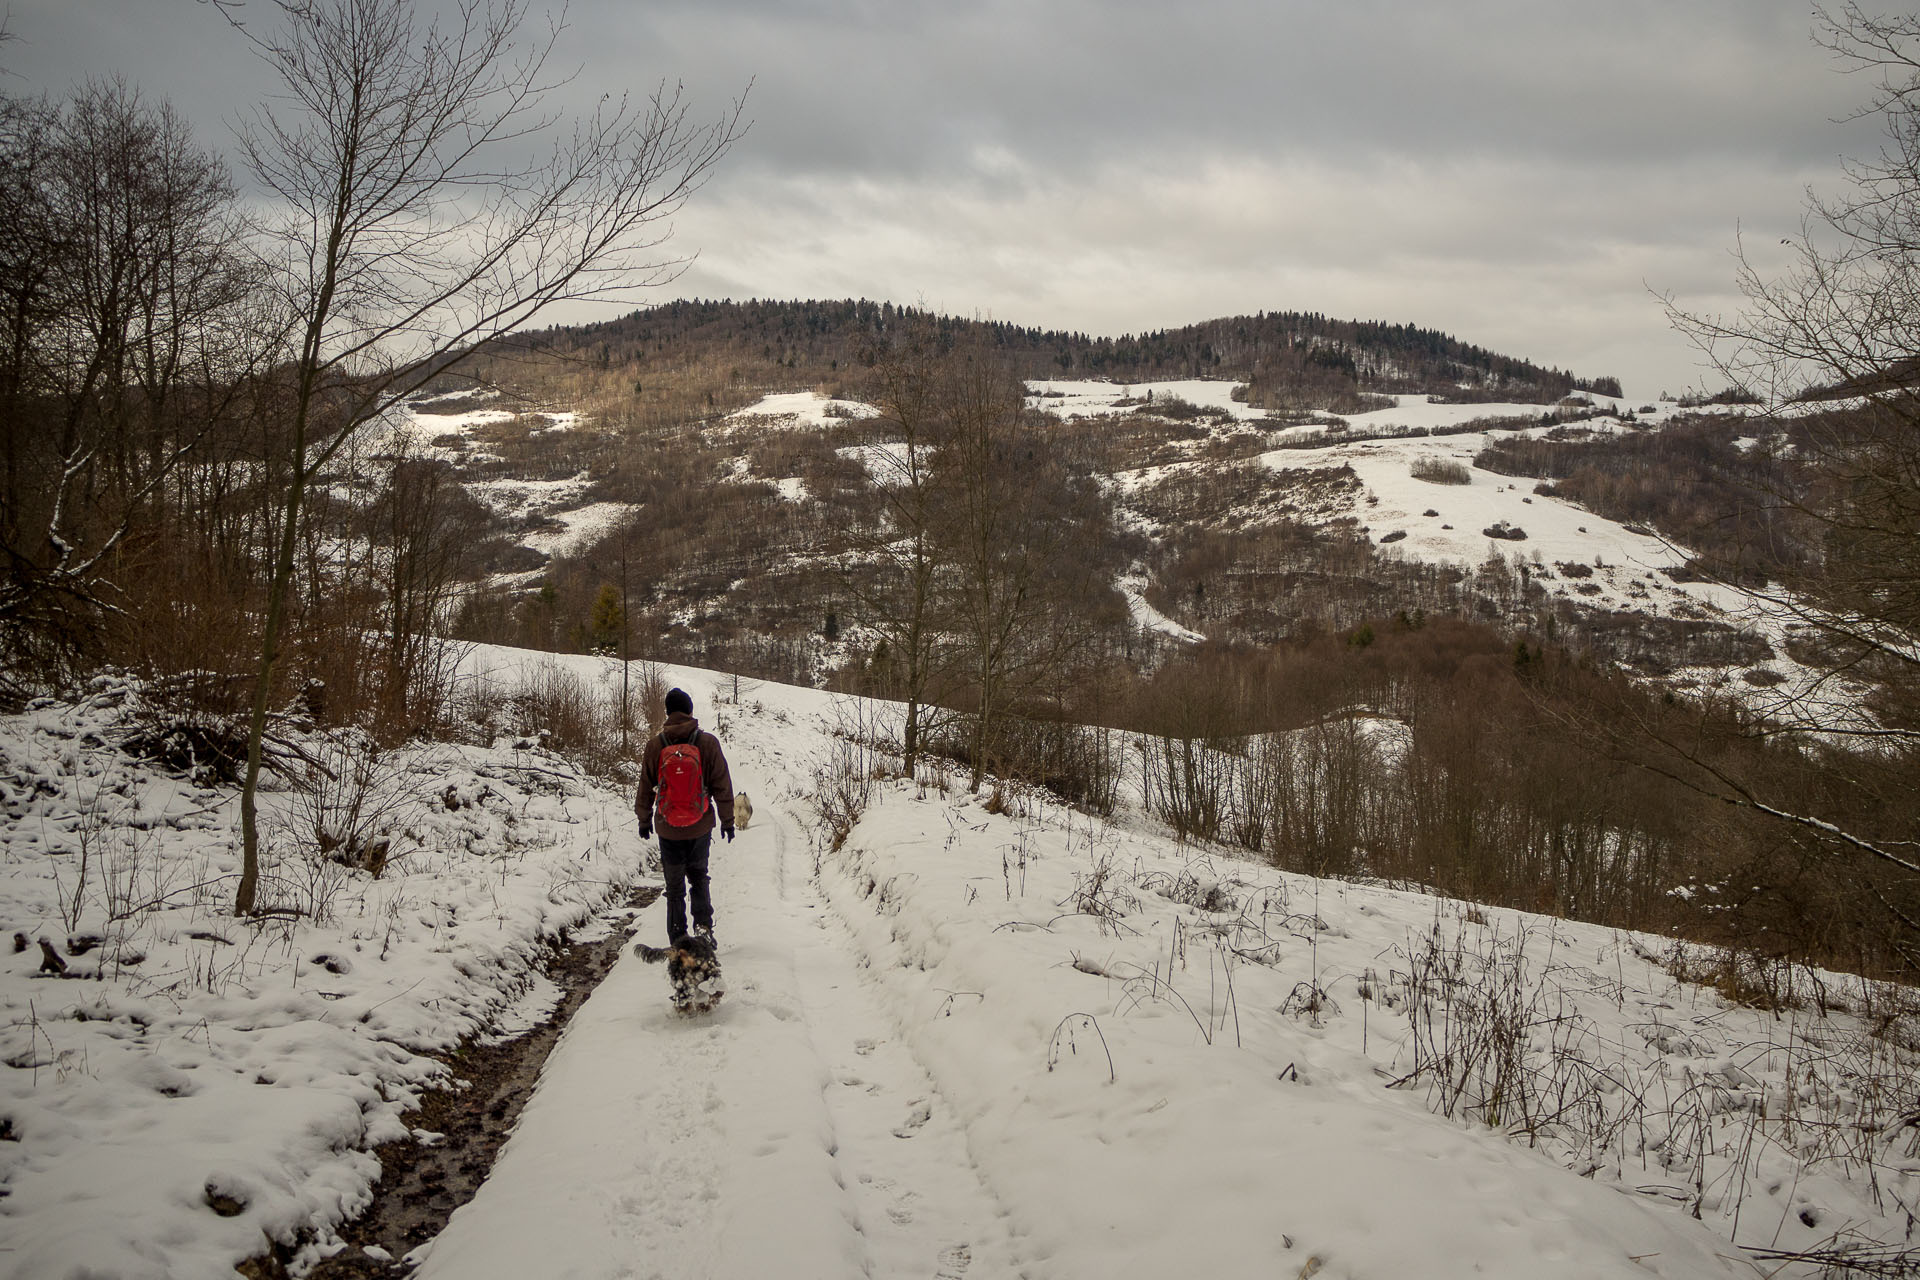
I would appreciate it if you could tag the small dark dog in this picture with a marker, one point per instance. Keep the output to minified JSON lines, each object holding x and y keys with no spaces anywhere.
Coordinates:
{"x":693,"y":970}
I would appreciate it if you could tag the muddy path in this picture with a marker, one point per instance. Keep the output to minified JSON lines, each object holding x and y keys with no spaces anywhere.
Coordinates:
{"x":421,"y":1185}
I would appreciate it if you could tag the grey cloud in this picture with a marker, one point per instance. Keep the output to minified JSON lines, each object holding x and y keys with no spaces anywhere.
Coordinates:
{"x":912,"y":88}
{"x":865,"y":87}
{"x":1560,"y":272}
{"x":1518,"y":172}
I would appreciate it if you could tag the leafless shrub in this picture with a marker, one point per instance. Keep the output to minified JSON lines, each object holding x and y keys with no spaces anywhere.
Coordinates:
{"x":1064,"y":1042}
{"x":1496,"y":1039}
{"x":352,"y":803}
{"x":1186,"y":783}
{"x":1745,"y":977}
{"x":1309,"y":1001}
{"x":1314,"y":787}
{"x":1079,"y":763}
{"x":1000,"y":799}
{"x":569,"y":718}
{"x":843,"y":781}
{"x":652,"y":693}
{"x":1153,"y":986}
{"x":1196,"y":884}
{"x":1848,"y":1253}
{"x":1469,"y":1011}
{"x":1178,"y":408}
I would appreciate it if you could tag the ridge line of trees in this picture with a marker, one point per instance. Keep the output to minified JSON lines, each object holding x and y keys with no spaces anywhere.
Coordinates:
{"x":828,"y":336}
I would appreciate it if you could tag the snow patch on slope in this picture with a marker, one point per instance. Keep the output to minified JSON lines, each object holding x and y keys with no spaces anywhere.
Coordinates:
{"x":801,"y":409}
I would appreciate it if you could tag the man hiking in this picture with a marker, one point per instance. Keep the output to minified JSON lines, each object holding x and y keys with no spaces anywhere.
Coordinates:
{"x":684,"y":789}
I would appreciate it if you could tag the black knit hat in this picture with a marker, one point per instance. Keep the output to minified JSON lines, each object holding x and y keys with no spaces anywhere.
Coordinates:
{"x":677,"y":700}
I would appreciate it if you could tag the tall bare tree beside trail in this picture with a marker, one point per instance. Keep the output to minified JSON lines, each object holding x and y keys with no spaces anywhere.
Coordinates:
{"x":429,"y":198}
{"x":994,"y":565}
{"x":1012,"y":530}
{"x":903,"y":603}
{"x":1832,"y":343}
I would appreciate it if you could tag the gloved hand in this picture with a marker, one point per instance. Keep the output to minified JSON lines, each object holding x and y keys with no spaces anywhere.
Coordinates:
{"x":646,"y":829}
{"x":726,"y":830}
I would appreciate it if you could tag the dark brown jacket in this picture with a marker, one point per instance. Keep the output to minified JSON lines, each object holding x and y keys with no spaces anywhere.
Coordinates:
{"x":682,"y":727}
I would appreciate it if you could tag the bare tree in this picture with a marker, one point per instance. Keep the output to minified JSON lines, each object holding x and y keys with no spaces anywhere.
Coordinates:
{"x":1830,"y":344}
{"x":995,"y":564}
{"x":1021,"y":539}
{"x":903,"y":601}
{"x":123,"y":290}
{"x":429,"y":199}
{"x":424,"y":526}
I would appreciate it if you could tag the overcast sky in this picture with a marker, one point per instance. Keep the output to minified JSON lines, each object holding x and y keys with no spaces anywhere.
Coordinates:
{"x":1523,"y":174}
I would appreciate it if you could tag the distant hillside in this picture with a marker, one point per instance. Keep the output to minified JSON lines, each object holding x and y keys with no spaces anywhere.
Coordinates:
{"x":1290,"y":359}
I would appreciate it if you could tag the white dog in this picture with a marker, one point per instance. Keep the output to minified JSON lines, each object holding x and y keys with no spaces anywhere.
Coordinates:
{"x":742,"y":809}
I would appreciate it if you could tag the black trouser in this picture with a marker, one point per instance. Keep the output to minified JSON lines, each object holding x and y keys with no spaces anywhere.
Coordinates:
{"x":685,"y":865}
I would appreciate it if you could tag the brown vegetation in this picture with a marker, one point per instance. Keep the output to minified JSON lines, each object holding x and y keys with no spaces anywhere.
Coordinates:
{"x":1437,"y":752}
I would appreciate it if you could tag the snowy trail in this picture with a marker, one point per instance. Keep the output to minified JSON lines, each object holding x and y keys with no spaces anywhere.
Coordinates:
{"x":922,"y":1207}
{"x":788,"y":1133}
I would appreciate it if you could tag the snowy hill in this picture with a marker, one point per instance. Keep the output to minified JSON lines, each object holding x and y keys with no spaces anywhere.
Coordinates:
{"x":1387,"y":511}
{"x":983,"y":1035}
{"x":1393,"y":500}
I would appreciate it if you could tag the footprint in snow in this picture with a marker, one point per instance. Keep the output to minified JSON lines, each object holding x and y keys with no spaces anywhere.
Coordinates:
{"x":918,"y":1113}
{"x":954,"y":1262}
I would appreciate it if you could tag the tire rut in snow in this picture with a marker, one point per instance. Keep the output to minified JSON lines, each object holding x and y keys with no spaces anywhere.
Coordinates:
{"x":922,"y":1207}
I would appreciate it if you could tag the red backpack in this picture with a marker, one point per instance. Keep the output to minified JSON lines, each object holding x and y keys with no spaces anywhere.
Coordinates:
{"x":683,"y":785}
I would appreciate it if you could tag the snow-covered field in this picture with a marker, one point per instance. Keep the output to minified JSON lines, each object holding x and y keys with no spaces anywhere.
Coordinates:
{"x":1565,"y":549}
{"x":1084,"y":398}
{"x":580,"y":527}
{"x":800,"y":409}
{"x":1394,"y":503}
{"x":982,"y":1037}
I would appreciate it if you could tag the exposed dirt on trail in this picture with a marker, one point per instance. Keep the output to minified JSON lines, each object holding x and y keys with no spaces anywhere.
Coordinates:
{"x":420,"y":1186}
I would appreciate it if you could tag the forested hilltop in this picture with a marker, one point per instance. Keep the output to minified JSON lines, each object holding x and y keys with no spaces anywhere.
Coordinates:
{"x":1288,"y":359}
